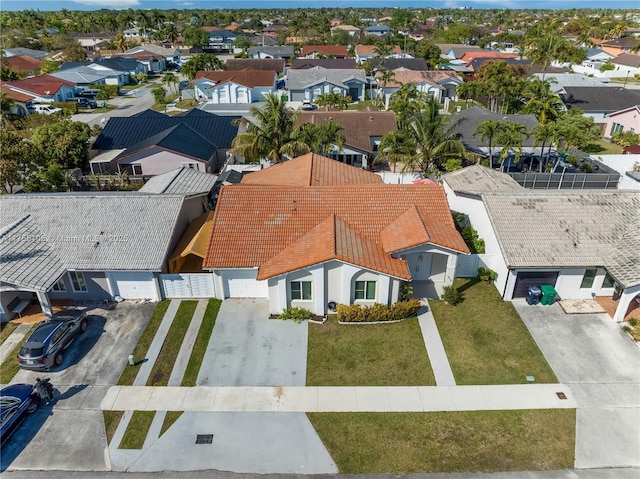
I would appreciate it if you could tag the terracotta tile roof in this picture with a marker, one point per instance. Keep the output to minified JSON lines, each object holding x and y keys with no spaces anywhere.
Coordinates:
{"x":470,"y":56}
{"x":281,"y":229}
{"x":248,"y":78}
{"x":21,"y":63}
{"x":40,"y":85}
{"x":371,"y":50}
{"x":337,"y":50}
{"x":234,"y":64}
{"x":311,"y":170}
{"x":357,"y":126}
{"x":15,"y":95}
{"x":404,"y":77}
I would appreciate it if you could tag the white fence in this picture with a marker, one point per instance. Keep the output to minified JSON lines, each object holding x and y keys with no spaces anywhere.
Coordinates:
{"x":188,"y":285}
{"x":468,"y":265}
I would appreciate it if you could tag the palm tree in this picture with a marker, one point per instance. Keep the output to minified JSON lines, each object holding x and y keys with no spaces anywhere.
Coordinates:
{"x":510,"y":138}
{"x":543,"y":133}
{"x":271,"y":134}
{"x":321,"y":138}
{"x":488,"y":130}
{"x":120,"y":42}
{"x":332,"y":99}
{"x":395,"y":147}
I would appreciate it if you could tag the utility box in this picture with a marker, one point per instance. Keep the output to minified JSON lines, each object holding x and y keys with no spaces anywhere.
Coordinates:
{"x":533,"y":295}
{"x":549,"y":294}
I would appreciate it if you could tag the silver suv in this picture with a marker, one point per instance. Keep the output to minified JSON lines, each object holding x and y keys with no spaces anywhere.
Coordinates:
{"x":46,"y":345}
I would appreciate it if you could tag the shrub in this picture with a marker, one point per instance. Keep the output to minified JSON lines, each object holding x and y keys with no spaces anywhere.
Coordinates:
{"x":451,"y":295}
{"x":487,"y":275}
{"x":356,"y":313}
{"x":68,"y":107}
{"x":295,"y":313}
{"x":469,"y":234}
{"x":633,"y":322}
{"x":111,"y":90}
{"x":406,"y":290}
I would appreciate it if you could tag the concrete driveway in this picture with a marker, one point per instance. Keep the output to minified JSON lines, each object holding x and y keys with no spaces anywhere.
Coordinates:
{"x":69,"y":434}
{"x":248,"y":349}
{"x":600,"y":362}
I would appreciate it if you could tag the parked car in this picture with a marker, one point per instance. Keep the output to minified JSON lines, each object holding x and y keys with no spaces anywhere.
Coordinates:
{"x":43,"y":109}
{"x":92,"y":94}
{"x":46,"y":345}
{"x":16,"y":403}
{"x":86,"y":102}
{"x":307,"y":105}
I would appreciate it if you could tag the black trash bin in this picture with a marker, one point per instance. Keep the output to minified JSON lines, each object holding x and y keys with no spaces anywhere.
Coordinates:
{"x":533,"y":295}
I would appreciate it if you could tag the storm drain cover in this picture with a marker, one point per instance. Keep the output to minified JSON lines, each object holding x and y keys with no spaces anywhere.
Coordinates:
{"x":204,"y":439}
{"x":561,"y":395}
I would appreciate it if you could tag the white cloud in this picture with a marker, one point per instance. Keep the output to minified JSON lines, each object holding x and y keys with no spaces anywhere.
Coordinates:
{"x":187,"y":4}
{"x":109,"y":3}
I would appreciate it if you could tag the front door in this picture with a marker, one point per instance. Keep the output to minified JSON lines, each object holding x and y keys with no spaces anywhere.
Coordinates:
{"x":438,"y":267}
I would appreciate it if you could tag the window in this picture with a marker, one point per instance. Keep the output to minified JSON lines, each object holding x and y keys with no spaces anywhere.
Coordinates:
{"x":301,"y":290}
{"x":193,"y":166}
{"x":136,"y":170}
{"x":616,"y":128}
{"x":77,"y":281}
{"x":587,"y":279}
{"x":608,"y":282}
{"x":59,"y":286}
{"x":366,"y":290}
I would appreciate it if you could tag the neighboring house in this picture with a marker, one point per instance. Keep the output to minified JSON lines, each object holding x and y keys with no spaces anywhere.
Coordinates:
{"x":558,"y":82}
{"x":277,"y":52}
{"x":135,"y":34}
{"x":619,"y":46}
{"x":594,"y":60}
{"x":377,"y":30}
{"x":627,"y":165}
{"x":310,"y":83}
{"x":623,"y":120}
{"x":368,"y":52}
{"x":50,"y":251}
{"x":396,"y":63}
{"x":275,"y":64}
{"x":466,"y":121}
{"x":570,"y":240}
{"x":94,"y":42}
{"x":159,"y":143}
{"x":324,"y":51}
{"x":350,"y":29}
{"x":43,"y":88}
{"x":161,"y":54}
{"x":470,"y":56}
{"x":455,"y":51}
{"x":627,"y":64}
{"x":362,"y":132}
{"x":329,"y":64}
{"x":440,"y":84}
{"x":222,"y":41}
{"x":23,"y":65}
{"x":235,"y":86}
{"x":20,"y":100}
{"x":311,"y":246}
{"x":93,"y":73}
{"x":598,"y":102}
{"x":37,"y":54}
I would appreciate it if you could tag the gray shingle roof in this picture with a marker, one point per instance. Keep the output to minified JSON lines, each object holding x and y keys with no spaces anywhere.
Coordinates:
{"x":27,"y":259}
{"x":283,"y":51}
{"x":299,"y":79}
{"x":476,"y":180}
{"x":100,"y":232}
{"x":563,"y":229}
{"x":184,"y":181}
{"x":470,"y":118}
{"x":598,"y":99}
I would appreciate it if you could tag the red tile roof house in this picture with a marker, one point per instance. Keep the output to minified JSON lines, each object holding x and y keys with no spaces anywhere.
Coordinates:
{"x":22,"y":64}
{"x":241,"y":86}
{"x":312,"y":231}
{"x":319,"y":51}
{"x":44,"y":88}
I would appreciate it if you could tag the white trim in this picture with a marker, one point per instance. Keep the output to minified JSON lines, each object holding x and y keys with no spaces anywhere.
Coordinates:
{"x":73,"y":286}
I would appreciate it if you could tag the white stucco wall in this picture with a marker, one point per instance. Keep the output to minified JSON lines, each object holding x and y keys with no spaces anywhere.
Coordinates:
{"x":158,"y":161}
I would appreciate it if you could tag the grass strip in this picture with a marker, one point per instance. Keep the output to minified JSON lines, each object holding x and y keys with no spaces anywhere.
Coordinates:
{"x":367,"y":355}
{"x":201,"y":343}
{"x":137,"y":430}
{"x":485,"y":339}
{"x":166,"y":359}
{"x":142,"y":347}
{"x":7,"y":329}
{"x":169,"y":419}
{"x":111,"y":421}
{"x":469,"y":441}
{"x":9,"y":368}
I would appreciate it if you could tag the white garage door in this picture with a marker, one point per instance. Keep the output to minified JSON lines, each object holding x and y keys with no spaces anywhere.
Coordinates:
{"x":243,"y":284}
{"x":134,"y":285}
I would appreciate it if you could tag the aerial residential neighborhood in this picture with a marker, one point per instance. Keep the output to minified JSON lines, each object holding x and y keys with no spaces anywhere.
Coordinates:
{"x":327,"y":240}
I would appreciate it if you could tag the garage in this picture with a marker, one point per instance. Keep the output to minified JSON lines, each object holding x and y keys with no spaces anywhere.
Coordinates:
{"x":129,"y":285}
{"x":525,"y":279}
{"x":243,"y":284}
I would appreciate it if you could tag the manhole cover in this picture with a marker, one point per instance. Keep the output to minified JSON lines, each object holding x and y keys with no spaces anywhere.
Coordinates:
{"x":561,"y":395}
{"x":204,"y":439}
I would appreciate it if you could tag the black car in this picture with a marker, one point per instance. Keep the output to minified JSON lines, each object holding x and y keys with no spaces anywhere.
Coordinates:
{"x":91,"y":94}
{"x":16,"y":402}
{"x":86,"y":103}
{"x":46,"y":345}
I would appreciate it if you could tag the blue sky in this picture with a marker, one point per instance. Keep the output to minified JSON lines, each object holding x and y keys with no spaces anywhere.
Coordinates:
{"x":202,"y":4}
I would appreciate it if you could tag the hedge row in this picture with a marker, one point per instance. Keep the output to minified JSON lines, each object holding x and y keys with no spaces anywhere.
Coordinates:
{"x":68,"y":107}
{"x":378,"y":312}
{"x":112,"y":90}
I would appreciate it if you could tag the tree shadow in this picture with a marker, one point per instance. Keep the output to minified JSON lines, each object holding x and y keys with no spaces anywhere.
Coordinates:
{"x":470,"y":282}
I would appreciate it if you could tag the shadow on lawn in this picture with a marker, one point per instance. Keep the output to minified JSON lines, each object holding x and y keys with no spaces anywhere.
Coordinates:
{"x":471,"y":282}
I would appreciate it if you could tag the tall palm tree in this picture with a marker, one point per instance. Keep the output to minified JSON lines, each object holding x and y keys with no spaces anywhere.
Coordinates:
{"x":321,"y":138}
{"x":395,"y":147}
{"x":543,"y":134}
{"x":510,"y":138}
{"x":332,"y":99}
{"x":488,"y":131}
{"x":271,"y":134}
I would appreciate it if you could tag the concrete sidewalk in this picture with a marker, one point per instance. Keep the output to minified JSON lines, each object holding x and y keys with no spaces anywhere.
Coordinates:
{"x":435,"y":349}
{"x":339,"y":399}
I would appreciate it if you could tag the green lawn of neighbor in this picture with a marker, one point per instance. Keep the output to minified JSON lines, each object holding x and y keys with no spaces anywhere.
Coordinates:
{"x":367,"y":355}
{"x":485,"y":339}
{"x":478,"y":441}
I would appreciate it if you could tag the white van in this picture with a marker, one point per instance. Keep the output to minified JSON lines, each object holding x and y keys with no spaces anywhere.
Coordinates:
{"x":44,"y":109}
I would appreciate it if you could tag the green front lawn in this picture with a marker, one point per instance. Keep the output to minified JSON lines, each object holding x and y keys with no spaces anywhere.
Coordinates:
{"x":137,"y":430}
{"x":6,"y":329}
{"x":9,"y":368}
{"x":202,"y":342}
{"x":485,"y":339}
{"x":478,"y":441}
{"x":367,"y":355}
